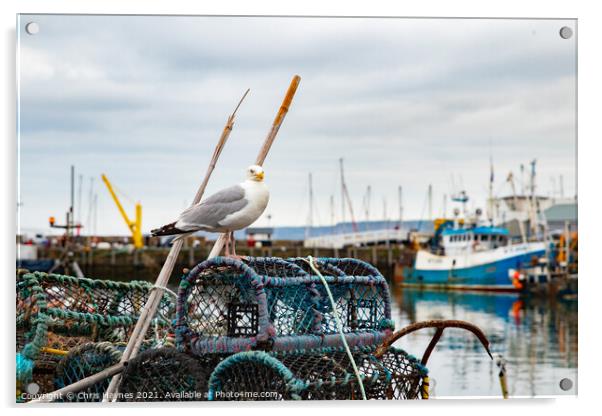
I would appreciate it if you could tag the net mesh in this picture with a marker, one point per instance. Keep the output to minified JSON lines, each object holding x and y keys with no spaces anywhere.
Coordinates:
{"x":57,"y":313}
{"x":164,"y":374}
{"x":275,"y":311}
{"x":84,"y":361}
{"x":317,"y":376}
{"x":271,"y":298}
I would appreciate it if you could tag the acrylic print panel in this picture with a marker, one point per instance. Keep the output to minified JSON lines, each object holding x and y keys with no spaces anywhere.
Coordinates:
{"x":427,"y":166}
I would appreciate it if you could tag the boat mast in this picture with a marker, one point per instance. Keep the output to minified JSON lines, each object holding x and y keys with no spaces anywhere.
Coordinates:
{"x":310,"y":217}
{"x":342,"y":191}
{"x":521,"y":225}
{"x":345,"y":195}
{"x":490,"y":214}
{"x":367,"y":202}
{"x":430,"y":202}
{"x":400,"y":196}
{"x":444,"y":212}
{"x":332,"y":212}
{"x":561,"y":187}
{"x":79,"y":198}
{"x":70,"y":220}
{"x":532,"y":207}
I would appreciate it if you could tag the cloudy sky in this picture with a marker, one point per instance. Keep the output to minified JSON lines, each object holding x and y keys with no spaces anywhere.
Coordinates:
{"x":407,"y":102}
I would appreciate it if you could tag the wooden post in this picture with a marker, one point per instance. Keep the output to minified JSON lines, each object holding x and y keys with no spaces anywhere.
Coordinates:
{"x":267,"y":144}
{"x":389,"y":253}
{"x":155,"y":296}
{"x":81,"y":384}
{"x":191,"y":255}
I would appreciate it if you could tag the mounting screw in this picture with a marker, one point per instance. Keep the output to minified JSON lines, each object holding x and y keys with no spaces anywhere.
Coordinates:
{"x":32,"y":28}
{"x":566,"y":384}
{"x":566,"y":32}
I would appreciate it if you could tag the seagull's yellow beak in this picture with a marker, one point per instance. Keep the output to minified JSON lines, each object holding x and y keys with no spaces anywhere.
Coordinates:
{"x":259,"y":176}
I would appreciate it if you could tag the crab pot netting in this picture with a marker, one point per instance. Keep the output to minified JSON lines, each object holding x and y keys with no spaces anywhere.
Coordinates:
{"x":61,"y":312}
{"x":258,"y":329}
{"x":84,"y":361}
{"x":316,"y":375}
{"x":228,"y":306}
{"x":166,"y":374}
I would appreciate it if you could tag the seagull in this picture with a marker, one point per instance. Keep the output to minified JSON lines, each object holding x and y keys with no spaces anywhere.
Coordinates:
{"x":230,"y":209}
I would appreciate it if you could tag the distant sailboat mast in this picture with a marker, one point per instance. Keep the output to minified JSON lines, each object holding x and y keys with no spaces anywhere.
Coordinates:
{"x":430,"y":202}
{"x":490,"y":207}
{"x":400,"y":202}
{"x":345,"y":195}
{"x":310,"y":216}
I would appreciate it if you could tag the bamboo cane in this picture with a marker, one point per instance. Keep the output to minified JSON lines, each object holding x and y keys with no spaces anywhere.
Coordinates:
{"x":155,"y":296}
{"x":71,"y":389}
{"x":263,"y":152}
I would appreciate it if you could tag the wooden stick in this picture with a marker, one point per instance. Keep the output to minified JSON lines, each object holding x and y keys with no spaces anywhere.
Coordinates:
{"x":155,"y":296}
{"x":80,"y":385}
{"x":267,"y":144}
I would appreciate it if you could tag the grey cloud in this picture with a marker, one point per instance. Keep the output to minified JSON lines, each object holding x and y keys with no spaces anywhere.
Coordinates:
{"x":404,"y":101}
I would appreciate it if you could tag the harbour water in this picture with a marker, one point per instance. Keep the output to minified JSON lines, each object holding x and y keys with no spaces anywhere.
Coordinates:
{"x":536,"y":336}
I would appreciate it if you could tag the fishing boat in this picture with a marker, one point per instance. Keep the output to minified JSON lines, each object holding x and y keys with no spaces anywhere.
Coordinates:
{"x":472,"y":256}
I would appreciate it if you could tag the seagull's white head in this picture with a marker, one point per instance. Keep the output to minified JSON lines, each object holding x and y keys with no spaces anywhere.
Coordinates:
{"x":255,"y":173}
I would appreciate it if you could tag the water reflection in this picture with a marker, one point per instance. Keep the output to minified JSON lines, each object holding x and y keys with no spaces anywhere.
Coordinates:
{"x":537,"y":337}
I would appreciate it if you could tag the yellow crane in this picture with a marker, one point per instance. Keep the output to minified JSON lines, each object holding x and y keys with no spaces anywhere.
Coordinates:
{"x":134,"y":226}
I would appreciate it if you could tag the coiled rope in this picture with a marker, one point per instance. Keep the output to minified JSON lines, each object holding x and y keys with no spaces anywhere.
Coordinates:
{"x":310,"y":261}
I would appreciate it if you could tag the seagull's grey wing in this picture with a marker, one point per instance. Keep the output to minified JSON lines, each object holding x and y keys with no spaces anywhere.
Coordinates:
{"x":214,"y":209}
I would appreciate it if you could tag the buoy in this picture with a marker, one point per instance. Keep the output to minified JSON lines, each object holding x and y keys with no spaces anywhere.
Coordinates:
{"x":516,"y":281}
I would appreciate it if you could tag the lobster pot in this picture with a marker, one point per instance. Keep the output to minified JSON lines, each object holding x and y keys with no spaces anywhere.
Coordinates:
{"x":166,"y":374}
{"x":56,"y":313}
{"x":83,"y":361}
{"x":227,"y":306}
{"x":317,"y":375}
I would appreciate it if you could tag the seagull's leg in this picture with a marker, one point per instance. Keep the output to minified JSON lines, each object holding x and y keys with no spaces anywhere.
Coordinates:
{"x":233,"y":242}
{"x":227,"y":245}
